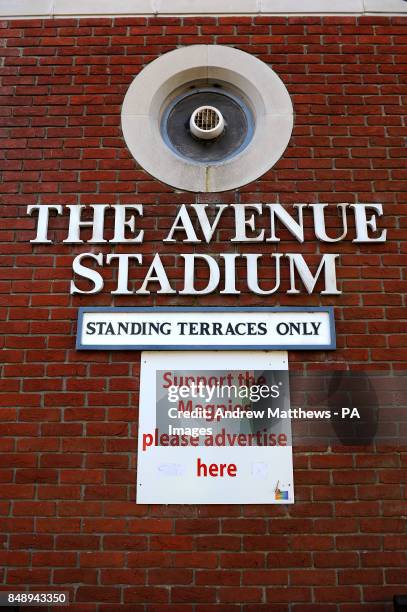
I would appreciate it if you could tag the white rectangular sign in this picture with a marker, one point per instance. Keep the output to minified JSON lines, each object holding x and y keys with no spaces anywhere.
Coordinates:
{"x":209,"y":328}
{"x":207,"y":434}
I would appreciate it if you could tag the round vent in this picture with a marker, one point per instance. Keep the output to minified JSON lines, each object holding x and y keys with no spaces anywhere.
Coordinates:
{"x":206,"y":123}
{"x":207,"y":118}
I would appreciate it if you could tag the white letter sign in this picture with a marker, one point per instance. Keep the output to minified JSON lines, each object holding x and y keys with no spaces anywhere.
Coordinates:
{"x":219,"y":328}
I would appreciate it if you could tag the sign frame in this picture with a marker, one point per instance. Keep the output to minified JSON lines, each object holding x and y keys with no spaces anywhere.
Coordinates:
{"x":182,"y":487}
{"x":196,"y":309}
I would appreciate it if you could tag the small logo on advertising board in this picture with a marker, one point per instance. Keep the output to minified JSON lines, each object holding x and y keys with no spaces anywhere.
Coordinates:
{"x":281,"y":494}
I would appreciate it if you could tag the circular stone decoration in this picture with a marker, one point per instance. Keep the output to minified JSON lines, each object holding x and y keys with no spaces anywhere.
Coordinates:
{"x":253,"y":102}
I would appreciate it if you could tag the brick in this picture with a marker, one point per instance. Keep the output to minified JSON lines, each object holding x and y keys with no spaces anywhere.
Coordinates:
{"x":241,"y":595}
{"x":360,"y":576}
{"x":28,"y":576}
{"x":288,"y":595}
{"x":145,"y":594}
{"x":370,"y":508}
{"x":243,"y":560}
{"x":102,"y":559}
{"x":338,"y":594}
{"x":336,"y":559}
{"x":197,"y":525}
{"x":122,"y":576}
{"x":312,"y":577}
{"x":380,"y":559}
{"x":181,"y":595}
{"x":216,"y":577}
{"x":169,"y":576}
{"x":198,"y":559}
{"x":103,"y":594}
{"x":288,"y":559}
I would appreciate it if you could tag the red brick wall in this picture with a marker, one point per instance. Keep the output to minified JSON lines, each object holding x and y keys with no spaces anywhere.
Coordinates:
{"x":69,"y":420}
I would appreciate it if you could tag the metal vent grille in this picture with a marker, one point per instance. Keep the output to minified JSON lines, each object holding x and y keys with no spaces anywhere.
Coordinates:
{"x":203,"y":143}
{"x":207,"y":119}
{"x":206,"y":122}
